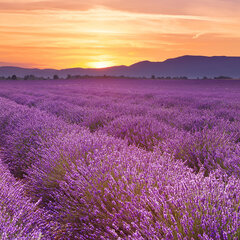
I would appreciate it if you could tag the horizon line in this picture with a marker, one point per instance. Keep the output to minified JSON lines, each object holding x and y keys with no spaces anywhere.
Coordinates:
{"x":102,"y":68}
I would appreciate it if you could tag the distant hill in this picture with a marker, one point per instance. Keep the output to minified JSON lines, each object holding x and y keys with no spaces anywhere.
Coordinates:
{"x":189,"y":66}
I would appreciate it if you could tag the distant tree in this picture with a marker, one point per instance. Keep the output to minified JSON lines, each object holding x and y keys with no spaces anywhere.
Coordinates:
{"x":223,"y":77}
{"x":55,"y":77}
{"x":32,"y":77}
{"x":14,"y":77}
{"x":69,"y":76}
{"x":153,"y":76}
{"x":29,"y":77}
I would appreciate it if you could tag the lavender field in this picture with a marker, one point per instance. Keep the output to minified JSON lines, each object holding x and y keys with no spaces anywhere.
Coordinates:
{"x":120,"y":159}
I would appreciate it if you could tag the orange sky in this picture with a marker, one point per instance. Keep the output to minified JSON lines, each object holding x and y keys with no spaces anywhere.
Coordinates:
{"x":101,"y":33}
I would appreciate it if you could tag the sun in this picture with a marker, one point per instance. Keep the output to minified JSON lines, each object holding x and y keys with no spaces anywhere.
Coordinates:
{"x":101,"y":64}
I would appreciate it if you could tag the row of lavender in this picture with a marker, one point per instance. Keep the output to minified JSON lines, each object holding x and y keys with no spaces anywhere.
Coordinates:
{"x":91,"y":185}
{"x":203,"y":132}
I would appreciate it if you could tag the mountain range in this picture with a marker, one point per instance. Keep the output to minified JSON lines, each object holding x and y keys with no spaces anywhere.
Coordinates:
{"x":189,"y":66}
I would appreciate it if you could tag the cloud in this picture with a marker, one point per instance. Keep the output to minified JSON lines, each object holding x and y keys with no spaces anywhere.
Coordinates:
{"x":177,"y":7}
{"x":172,"y":7}
{"x":28,"y":5}
{"x":198,"y":35}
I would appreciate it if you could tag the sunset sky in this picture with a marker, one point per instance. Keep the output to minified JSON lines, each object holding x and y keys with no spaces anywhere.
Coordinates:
{"x":100,"y":33}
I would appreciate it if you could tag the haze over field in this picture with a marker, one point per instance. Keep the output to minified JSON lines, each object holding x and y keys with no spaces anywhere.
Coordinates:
{"x":102,"y":33}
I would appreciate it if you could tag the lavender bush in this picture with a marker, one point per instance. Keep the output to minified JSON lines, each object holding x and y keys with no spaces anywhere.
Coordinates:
{"x":19,"y":217}
{"x":207,"y":149}
{"x":140,"y":131}
{"x":22,"y":130}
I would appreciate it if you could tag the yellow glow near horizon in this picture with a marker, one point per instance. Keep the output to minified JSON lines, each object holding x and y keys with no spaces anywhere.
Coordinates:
{"x":101,"y":64}
{"x":103,"y":33}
